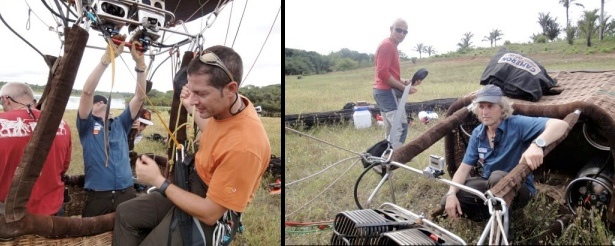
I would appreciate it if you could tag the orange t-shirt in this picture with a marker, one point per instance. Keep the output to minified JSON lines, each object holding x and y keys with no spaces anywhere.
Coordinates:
{"x":233,"y":155}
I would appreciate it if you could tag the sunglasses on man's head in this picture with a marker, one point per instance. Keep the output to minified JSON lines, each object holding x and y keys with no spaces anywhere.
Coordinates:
{"x":401,"y":31}
{"x":210,"y":58}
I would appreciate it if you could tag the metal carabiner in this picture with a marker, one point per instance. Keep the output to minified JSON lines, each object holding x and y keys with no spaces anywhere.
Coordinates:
{"x":490,"y":202}
{"x":389,"y":152}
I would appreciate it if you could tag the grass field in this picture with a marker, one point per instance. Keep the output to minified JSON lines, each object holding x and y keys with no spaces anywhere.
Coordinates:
{"x":315,"y":195}
{"x":262,"y":217}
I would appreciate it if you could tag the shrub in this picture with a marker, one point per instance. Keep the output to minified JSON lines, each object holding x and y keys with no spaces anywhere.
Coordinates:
{"x":570,"y":31}
{"x":606,"y":50}
{"x":541,"y":39}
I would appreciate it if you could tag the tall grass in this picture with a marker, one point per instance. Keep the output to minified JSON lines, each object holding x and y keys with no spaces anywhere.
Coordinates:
{"x":322,"y":196}
{"x":262,"y":217}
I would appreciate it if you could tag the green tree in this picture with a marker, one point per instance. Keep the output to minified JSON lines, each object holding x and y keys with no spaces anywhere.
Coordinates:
{"x":587,"y":25}
{"x":611,"y":28}
{"x":305,"y":62}
{"x":268,"y":97}
{"x":466,"y":41}
{"x":534,"y":37}
{"x":543,"y":20}
{"x":419,"y":48}
{"x":493,"y":37}
{"x":403,"y":56}
{"x":566,"y":4}
{"x":429,"y":50}
{"x":345,"y":64}
{"x":155,"y":93}
{"x":606,"y":27}
{"x":570,"y":34}
{"x":550,"y":28}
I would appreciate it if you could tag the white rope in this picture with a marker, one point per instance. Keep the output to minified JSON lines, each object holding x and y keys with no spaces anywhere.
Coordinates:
{"x":297,"y":181}
{"x":39,"y":18}
{"x":492,"y":230}
{"x":323,"y":191}
{"x":501,"y":226}
{"x":497,"y":229}
{"x":199,"y":228}
{"x":322,"y":141}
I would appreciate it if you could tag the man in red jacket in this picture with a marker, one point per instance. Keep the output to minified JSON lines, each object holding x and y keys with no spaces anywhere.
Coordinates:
{"x":17,"y":124}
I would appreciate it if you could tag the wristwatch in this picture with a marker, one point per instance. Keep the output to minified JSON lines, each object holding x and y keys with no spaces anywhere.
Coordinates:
{"x":163,"y":187}
{"x":540,"y":143}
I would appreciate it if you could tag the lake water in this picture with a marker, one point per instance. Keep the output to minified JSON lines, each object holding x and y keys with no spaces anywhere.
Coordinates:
{"x":73,"y":102}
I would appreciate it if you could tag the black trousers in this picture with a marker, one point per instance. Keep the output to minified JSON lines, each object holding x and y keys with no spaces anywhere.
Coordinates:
{"x":145,"y":216}
{"x":104,"y":202}
{"x":148,"y":219}
{"x":474,"y":208}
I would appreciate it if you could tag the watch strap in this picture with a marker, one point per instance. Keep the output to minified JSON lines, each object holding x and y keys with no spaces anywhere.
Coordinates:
{"x":163,"y":187}
{"x":542,"y":147}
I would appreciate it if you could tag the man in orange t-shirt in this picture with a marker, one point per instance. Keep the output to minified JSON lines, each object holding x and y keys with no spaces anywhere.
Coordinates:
{"x":233,"y":154}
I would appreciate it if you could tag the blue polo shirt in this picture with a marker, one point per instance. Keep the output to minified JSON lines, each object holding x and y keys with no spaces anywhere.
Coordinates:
{"x":117,"y":175}
{"x":513,"y":136}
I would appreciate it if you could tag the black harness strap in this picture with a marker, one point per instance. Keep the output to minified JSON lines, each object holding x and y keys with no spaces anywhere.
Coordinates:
{"x":191,"y":234}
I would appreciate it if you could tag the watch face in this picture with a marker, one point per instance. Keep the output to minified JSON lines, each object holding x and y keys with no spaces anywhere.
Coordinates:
{"x":540,"y":142}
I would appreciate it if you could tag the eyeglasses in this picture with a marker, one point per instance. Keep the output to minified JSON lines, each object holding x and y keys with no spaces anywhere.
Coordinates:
{"x":28,"y":109}
{"x":212,"y":59}
{"x":401,"y":31}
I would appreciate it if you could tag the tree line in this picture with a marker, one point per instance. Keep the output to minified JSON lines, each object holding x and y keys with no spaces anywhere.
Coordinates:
{"x":589,"y":27}
{"x":303,"y":62}
{"x":268,"y":97}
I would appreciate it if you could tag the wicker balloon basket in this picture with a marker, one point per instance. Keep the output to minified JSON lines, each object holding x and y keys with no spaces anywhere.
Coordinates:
{"x":73,"y":206}
{"x":100,"y":239}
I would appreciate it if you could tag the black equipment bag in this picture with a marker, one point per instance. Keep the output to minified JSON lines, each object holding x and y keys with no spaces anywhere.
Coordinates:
{"x":193,"y":231}
{"x":376,"y":150}
{"x":518,"y":76}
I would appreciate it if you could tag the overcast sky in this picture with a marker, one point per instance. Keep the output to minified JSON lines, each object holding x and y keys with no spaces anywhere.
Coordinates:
{"x":326,"y":26}
{"x":21,"y":63}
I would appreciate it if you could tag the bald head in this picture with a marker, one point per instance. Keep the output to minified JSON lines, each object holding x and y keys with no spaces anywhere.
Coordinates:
{"x":399,"y":21}
{"x":19,"y":92}
{"x":399,"y":29}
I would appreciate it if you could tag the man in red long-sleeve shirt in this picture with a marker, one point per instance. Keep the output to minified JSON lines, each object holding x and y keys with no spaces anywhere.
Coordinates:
{"x":388,"y":80}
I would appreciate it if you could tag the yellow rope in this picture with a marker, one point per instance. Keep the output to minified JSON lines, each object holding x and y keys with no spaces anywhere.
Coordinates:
{"x":190,"y":134}
{"x":172,"y":159}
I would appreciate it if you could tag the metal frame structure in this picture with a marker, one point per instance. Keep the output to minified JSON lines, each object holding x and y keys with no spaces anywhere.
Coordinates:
{"x":497,"y":226}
